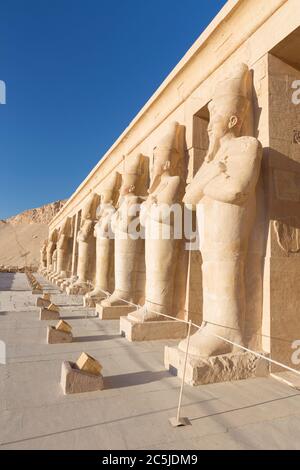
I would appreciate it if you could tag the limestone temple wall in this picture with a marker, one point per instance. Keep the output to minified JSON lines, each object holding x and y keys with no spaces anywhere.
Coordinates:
{"x":264,"y":35}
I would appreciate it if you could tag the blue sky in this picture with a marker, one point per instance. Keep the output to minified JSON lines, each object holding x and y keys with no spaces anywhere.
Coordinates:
{"x":77,"y":72}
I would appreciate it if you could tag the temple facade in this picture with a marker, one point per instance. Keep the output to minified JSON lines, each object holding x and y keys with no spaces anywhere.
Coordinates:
{"x":219,"y":142}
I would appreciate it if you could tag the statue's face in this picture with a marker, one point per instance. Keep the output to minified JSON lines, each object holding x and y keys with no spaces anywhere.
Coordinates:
{"x":218,"y":124}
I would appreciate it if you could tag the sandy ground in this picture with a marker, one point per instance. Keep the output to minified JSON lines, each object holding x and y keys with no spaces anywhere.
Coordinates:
{"x":140,"y":395}
{"x":20,"y":244}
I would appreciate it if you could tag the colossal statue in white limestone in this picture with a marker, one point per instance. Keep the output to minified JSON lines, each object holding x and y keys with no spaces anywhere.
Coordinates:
{"x":84,"y":240}
{"x":50,"y":250}
{"x":54,"y":263}
{"x":224,"y":192}
{"x":63,"y":248}
{"x":158,"y":218}
{"x":128,"y":248}
{"x":104,"y":241}
{"x":43,"y":256}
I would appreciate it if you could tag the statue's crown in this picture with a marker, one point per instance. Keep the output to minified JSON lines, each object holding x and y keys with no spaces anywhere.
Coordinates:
{"x":89,"y":210}
{"x":235,"y":84}
{"x":111,"y":186}
{"x":134,"y":165}
{"x":171,"y":139}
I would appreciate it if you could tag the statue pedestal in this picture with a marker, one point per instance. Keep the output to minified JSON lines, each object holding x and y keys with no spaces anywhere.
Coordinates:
{"x":114,"y":312}
{"x":74,"y":380}
{"x":55,"y":336}
{"x":223,"y":368}
{"x":152,"y":330}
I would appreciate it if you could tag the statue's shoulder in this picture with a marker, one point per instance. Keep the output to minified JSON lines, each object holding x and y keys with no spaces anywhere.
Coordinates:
{"x":249,"y":142}
{"x":249,"y":145}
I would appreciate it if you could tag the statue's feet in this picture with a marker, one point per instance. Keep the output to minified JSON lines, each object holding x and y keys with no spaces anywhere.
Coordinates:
{"x":93,"y":297}
{"x":208,"y":341}
{"x":96,"y":293}
{"x":117,"y":299}
{"x":78,"y":287}
{"x":144,"y":314}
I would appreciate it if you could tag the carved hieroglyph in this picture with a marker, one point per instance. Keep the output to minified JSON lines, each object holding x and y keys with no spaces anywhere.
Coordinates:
{"x":224,"y":192}
{"x":161,"y":248}
{"x":129,"y":249}
{"x":288,"y":234}
{"x":84,"y":239}
{"x":104,"y":241}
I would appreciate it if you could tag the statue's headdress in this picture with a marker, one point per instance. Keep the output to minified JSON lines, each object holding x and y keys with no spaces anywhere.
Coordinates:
{"x":110,"y":188}
{"x":89,"y":210}
{"x":233,"y":92}
{"x":135,"y":170}
{"x":172,"y":146}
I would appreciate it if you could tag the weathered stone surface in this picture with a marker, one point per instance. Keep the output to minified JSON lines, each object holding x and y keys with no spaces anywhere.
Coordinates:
{"x":88,"y":364}
{"x":64,"y":326}
{"x":40,"y":302}
{"x":46,"y":314}
{"x":74,"y":380}
{"x":55,"y":336}
{"x":223,"y":368}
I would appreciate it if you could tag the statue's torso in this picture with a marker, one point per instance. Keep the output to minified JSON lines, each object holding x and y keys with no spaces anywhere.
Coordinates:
{"x":224,"y":227}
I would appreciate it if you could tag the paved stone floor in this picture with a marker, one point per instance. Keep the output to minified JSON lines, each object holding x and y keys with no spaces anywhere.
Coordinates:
{"x":140,"y":396}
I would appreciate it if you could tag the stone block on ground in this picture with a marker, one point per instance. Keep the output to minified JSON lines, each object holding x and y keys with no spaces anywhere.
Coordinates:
{"x":40,"y":302}
{"x":64,"y":326}
{"x":55,"y":336}
{"x":88,"y":364}
{"x":74,"y":380}
{"x":46,"y":314}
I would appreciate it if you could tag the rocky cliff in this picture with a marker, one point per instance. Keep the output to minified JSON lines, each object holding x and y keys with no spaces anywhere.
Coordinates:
{"x":22,"y":235}
{"x":40,"y":215}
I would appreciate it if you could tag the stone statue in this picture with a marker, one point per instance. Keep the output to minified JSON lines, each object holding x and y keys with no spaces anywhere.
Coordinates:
{"x":43,"y":256}
{"x":54,"y":263}
{"x":161,"y":245}
{"x":84,"y":240}
{"x":224,"y":192}
{"x":128,"y":249}
{"x":50,"y":249}
{"x":63,"y":249}
{"x":104,"y":241}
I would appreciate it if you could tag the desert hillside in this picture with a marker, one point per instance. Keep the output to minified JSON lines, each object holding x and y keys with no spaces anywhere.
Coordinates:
{"x":21,"y":236}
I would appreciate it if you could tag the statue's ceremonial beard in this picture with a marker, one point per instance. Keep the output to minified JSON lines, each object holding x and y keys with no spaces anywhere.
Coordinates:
{"x":214,"y":145}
